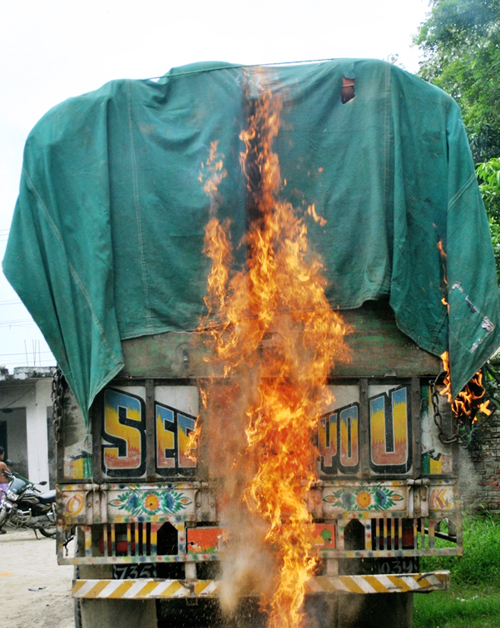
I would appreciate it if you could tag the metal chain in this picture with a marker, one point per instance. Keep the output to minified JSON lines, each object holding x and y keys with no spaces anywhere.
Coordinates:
{"x":58,"y":388}
{"x":438,"y":417}
{"x":57,"y":403}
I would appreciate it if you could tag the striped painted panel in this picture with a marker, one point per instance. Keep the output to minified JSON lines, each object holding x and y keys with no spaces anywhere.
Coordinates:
{"x":149,"y":589}
{"x":408,"y":583}
{"x":144,"y":589}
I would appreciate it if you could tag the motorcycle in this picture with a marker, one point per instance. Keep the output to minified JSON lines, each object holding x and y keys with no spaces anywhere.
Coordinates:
{"x":24,"y":506}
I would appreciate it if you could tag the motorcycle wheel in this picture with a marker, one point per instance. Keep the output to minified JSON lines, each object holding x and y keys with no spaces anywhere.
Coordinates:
{"x":49,"y":531}
{"x":3,"y":515}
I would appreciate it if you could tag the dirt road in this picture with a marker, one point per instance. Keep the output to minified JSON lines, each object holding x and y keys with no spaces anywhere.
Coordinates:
{"x":26,"y":564}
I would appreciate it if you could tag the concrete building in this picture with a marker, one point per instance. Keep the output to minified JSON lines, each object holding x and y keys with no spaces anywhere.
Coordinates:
{"x":26,"y":421}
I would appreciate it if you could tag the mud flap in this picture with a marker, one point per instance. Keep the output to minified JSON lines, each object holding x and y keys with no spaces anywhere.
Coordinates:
{"x":112,"y":613}
{"x":375,"y":610}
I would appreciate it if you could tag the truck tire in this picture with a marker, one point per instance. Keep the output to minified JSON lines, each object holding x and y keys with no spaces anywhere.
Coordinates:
{"x":109,"y":613}
{"x":392,"y":610}
{"x":78,"y":613}
{"x":77,"y":606}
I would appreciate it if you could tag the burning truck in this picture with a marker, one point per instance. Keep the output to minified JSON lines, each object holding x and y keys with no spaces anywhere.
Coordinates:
{"x":265,"y":287}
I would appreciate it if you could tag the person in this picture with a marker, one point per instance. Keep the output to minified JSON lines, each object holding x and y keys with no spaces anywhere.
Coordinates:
{"x":3,"y":479}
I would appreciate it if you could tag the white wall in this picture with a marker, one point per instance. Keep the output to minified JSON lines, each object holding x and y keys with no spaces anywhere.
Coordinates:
{"x":16,"y":439}
{"x":28,"y":397}
{"x":36,"y":430}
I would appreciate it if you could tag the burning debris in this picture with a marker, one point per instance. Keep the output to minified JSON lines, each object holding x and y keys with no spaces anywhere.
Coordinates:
{"x":274,"y":340}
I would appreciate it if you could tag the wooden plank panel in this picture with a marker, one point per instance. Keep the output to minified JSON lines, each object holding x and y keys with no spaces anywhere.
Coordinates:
{"x":378,"y":349}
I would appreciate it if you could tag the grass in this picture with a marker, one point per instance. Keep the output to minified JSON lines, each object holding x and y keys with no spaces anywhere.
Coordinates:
{"x":474,"y":598}
{"x":468,"y":607}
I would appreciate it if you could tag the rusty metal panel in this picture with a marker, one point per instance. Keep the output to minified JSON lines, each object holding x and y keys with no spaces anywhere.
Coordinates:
{"x":437,"y":459}
{"x":74,"y":450}
{"x":96,"y":412}
{"x":150,"y":431}
{"x":364,"y":441}
{"x":416,"y":426}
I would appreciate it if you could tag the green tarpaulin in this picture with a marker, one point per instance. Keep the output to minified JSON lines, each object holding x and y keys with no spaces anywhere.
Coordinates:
{"x":106,"y":241}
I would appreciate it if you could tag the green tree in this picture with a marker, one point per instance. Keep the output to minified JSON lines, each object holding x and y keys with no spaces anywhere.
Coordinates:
{"x":461,"y":45}
{"x":488,"y":174}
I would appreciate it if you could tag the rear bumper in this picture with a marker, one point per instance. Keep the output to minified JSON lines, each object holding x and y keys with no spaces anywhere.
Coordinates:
{"x":145,"y":589}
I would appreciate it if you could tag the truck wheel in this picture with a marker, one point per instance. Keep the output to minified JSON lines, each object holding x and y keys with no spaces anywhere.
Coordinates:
{"x":77,"y":606}
{"x":111,"y":613}
{"x":78,"y":613}
{"x":367,"y":611}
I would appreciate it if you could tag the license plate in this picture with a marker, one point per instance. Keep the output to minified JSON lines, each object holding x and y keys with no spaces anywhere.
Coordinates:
{"x":396,"y":565}
{"x":133,"y":572}
{"x":380,"y":566}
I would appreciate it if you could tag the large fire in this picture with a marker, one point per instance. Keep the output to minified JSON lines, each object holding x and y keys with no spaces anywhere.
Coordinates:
{"x":274,"y":339}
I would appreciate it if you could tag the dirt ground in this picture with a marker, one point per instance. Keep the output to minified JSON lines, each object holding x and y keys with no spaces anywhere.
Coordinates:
{"x":27,"y":563}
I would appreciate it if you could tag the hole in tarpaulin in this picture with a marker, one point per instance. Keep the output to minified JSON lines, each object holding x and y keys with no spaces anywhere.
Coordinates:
{"x":347,"y":92}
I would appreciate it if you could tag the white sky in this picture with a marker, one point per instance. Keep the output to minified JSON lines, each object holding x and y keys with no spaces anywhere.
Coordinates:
{"x":53,"y":49}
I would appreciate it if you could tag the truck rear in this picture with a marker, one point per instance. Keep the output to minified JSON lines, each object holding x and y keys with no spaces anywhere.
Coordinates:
{"x":146,"y":517}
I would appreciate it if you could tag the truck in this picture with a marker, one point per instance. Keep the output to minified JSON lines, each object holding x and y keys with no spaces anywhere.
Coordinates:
{"x":106,"y":251}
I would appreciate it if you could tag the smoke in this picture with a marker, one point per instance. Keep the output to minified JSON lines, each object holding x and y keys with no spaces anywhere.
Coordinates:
{"x":468,"y":478}
{"x":248,"y":566}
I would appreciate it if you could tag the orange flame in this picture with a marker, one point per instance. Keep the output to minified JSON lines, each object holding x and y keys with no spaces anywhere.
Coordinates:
{"x":446,"y":391}
{"x":442,"y":251}
{"x":444,"y":287}
{"x":212,"y":171}
{"x":274,"y":338}
{"x":470,"y":400}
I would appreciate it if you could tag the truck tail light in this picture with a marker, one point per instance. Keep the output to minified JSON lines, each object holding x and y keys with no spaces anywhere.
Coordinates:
{"x":120,"y":544}
{"x":408,"y":538}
